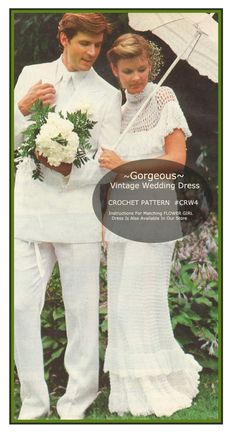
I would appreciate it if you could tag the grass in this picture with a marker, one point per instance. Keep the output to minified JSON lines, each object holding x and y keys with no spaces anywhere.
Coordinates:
{"x":203,"y":410}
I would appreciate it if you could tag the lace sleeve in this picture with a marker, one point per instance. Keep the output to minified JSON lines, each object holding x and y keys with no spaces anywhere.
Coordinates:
{"x":171,"y":115}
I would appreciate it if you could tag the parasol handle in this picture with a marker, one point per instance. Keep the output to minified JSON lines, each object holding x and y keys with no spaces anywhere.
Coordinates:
{"x":194,"y":40}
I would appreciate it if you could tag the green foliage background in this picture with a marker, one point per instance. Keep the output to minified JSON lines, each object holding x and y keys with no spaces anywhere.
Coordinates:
{"x":36,"y":42}
{"x":193,"y":293}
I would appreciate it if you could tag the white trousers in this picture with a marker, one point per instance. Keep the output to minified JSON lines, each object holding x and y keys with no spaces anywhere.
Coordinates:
{"x":79,"y":272}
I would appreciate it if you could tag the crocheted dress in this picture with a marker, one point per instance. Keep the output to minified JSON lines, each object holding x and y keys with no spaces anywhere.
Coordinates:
{"x":149,"y":371}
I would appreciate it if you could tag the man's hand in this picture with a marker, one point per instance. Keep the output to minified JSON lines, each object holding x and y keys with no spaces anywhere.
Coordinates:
{"x":45,"y":92}
{"x":63,"y":168}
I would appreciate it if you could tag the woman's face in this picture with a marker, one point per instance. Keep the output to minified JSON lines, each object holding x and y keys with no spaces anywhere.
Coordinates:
{"x":133,"y":73}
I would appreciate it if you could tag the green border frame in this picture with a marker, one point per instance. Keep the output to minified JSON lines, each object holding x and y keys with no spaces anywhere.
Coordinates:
{"x":219,"y":12}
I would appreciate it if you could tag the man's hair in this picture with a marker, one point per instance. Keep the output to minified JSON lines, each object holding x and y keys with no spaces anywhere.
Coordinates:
{"x":72,"y":23}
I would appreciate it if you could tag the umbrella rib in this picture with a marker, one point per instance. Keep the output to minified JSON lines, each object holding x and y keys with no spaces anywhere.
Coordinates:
{"x":196,"y":51}
{"x":195,"y":43}
{"x":165,"y":24}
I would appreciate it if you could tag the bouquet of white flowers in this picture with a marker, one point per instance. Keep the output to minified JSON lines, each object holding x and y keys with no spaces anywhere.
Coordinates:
{"x":57,"y":137}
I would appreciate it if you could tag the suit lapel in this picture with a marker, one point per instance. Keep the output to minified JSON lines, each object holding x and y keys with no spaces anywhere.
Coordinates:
{"x":49,"y":74}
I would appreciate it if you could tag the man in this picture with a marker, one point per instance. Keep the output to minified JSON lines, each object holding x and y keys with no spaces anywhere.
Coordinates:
{"x":54,"y":221}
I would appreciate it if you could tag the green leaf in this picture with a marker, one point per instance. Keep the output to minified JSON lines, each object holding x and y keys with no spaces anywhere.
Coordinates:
{"x":194,"y":316}
{"x":195,"y":290}
{"x":209,"y":363}
{"x":62,"y":326}
{"x":186,"y":267}
{"x":103,"y":310}
{"x":104,"y":326}
{"x":184,"y":340}
{"x":174,"y":322}
{"x":184,"y":319}
{"x":207,"y":334}
{"x":214,"y":313}
{"x":62,"y":340}
{"x":58,"y":313}
{"x":60,"y":140}
{"x":186,"y":279}
{"x":204,"y":301}
{"x":212,"y":294}
{"x":101,"y":352}
{"x":46,"y":323}
{"x":212,"y":284}
{"x":49,"y":343}
{"x":196,"y":331}
{"x":55,"y":355}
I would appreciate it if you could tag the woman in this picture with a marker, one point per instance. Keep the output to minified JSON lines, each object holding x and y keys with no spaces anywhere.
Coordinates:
{"x":149,"y":372}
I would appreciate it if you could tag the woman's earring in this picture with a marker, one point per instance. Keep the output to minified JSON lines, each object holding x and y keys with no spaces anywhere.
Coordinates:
{"x":150,"y":75}
{"x":120,"y":85}
{"x":122,"y":89}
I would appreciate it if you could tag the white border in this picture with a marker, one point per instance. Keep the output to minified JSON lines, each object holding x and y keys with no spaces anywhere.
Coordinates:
{"x":229,"y":198}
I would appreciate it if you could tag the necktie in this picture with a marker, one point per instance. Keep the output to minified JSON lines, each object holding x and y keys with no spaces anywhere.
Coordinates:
{"x":64,"y":91}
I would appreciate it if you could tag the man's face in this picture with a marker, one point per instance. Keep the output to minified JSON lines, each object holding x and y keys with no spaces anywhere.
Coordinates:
{"x":81,"y":51}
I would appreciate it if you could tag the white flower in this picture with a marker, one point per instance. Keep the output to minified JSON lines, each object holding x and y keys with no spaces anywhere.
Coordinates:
{"x":86,"y":106}
{"x":47,"y":146}
{"x":211,"y":349}
{"x":205,"y":344}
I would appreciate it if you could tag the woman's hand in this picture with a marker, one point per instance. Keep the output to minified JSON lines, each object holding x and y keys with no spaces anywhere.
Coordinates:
{"x":63,"y":168}
{"x":109,"y":159}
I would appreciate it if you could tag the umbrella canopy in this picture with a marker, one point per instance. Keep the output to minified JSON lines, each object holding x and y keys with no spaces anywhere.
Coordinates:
{"x":192,"y":36}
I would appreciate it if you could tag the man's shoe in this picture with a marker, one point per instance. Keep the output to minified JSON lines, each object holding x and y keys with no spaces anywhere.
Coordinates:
{"x":72,"y":417}
{"x":24,"y":416}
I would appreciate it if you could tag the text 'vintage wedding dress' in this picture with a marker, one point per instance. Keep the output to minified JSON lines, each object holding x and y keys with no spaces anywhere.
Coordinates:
{"x":149,"y":372}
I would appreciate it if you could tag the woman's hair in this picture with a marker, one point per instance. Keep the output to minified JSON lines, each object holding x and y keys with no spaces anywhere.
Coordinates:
{"x":129,"y":45}
{"x":72,"y":23}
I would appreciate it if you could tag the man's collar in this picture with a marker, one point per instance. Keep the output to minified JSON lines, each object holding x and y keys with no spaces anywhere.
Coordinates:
{"x":62,"y":72}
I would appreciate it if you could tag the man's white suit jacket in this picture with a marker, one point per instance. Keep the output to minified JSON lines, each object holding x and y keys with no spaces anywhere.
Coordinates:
{"x":60,"y":209}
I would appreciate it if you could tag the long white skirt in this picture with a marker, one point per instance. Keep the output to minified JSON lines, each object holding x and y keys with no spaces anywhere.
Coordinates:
{"x":149,"y":372}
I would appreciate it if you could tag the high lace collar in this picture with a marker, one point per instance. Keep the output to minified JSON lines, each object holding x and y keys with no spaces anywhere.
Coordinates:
{"x":140,"y":97}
